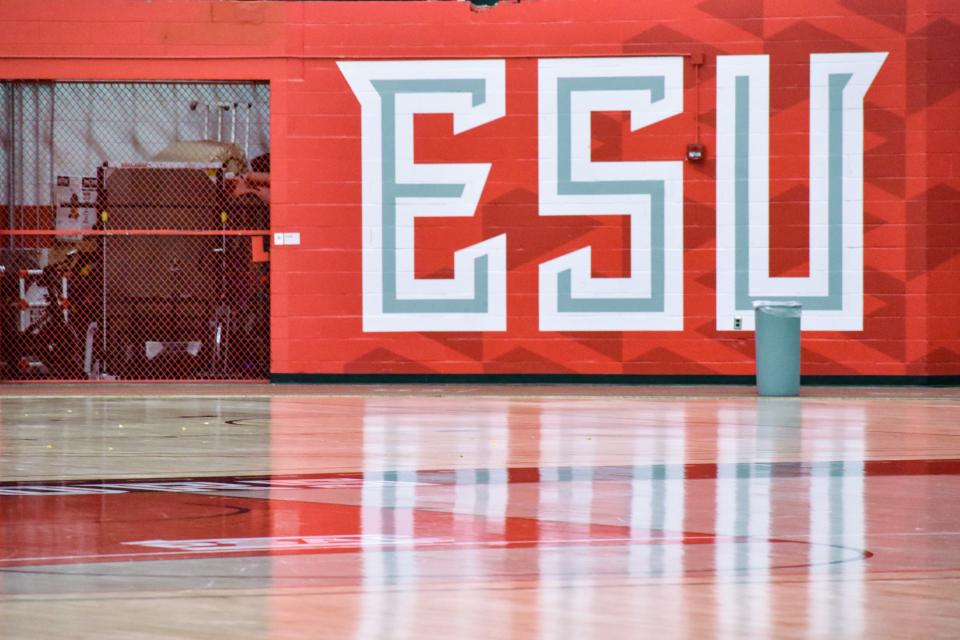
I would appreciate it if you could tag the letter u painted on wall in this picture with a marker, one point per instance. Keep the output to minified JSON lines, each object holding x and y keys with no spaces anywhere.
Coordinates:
{"x":397,"y":190}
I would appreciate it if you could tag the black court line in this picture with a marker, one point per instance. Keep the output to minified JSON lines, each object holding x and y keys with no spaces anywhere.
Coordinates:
{"x":516,"y":475}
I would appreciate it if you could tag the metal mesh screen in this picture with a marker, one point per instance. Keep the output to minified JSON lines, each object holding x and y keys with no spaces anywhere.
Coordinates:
{"x":136,"y":236}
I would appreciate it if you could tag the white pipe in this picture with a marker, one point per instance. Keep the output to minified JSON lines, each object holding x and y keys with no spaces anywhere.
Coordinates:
{"x":246,"y":133}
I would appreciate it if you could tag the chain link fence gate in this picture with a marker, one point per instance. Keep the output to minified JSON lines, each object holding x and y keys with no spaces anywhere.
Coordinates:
{"x":136,"y":238}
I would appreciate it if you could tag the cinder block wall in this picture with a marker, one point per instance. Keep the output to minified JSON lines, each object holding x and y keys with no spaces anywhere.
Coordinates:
{"x":909,"y":193}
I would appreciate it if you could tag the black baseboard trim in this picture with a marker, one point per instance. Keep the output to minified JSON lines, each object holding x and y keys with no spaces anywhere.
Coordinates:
{"x":881,"y":381}
{"x":606,"y":379}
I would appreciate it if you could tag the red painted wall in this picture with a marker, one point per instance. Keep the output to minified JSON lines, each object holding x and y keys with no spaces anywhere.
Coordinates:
{"x":911,"y":193}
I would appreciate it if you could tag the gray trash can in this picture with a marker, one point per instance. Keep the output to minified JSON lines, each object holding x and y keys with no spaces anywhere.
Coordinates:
{"x":777,"y":334}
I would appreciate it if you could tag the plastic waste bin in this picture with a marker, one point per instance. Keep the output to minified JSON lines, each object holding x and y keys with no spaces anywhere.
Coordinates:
{"x":777,"y":334}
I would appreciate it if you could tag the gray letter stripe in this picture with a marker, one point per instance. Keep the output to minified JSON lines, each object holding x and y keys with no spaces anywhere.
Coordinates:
{"x":388,"y":90}
{"x":567,"y":186}
{"x":833,"y":301}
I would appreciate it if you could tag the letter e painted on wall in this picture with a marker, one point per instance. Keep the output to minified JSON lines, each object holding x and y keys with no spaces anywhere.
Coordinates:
{"x":396,"y":191}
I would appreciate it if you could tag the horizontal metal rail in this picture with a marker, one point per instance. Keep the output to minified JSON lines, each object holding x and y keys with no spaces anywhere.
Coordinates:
{"x":135,"y":232}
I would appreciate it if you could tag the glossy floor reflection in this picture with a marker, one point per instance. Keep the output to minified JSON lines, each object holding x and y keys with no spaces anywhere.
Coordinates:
{"x":483,"y":512}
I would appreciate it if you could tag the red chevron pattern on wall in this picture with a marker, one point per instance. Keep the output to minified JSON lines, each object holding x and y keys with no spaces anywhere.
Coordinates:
{"x":331,"y":66}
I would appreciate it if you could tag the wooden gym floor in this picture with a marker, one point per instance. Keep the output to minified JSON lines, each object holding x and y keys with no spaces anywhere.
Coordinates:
{"x":477,"y":512}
